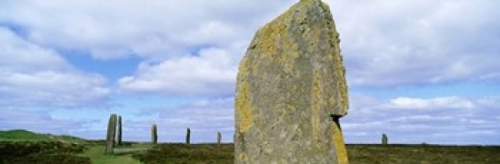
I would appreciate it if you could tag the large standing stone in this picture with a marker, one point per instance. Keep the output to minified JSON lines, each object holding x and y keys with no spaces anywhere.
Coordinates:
{"x":290,"y":83}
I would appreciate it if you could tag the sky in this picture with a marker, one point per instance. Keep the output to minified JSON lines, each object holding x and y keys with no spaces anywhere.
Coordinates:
{"x":419,"y":71}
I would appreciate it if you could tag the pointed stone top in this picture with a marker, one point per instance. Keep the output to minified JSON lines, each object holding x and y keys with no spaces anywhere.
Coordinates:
{"x":304,"y":10}
{"x":311,"y":1}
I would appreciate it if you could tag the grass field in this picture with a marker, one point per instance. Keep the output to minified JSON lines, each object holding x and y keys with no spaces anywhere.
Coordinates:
{"x":358,"y":154}
{"x":135,"y":153}
{"x":422,"y":154}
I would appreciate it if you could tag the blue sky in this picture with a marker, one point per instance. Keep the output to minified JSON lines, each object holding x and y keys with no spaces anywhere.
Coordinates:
{"x":419,"y":71}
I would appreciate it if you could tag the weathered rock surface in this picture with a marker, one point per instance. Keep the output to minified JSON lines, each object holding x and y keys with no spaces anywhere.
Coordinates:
{"x":289,"y":83}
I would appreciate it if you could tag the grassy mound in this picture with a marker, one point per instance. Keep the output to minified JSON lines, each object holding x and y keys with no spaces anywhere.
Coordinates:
{"x":25,"y":135}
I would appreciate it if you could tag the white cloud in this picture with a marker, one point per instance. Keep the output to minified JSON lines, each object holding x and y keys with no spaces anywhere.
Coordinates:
{"x":114,"y":29}
{"x":384,"y":43}
{"x":185,"y":45}
{"x":452,"y":102}
{"x":213,"y":72}
{"x":389,"y":44}
{"x":416,"y":120}
{"x":33,"y":75}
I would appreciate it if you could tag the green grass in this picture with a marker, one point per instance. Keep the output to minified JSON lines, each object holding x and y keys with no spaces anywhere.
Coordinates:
{"x":95,"y":149}
{"x":97,"y":156}
{"x":194,"y":153}
{"x":25,"y":135}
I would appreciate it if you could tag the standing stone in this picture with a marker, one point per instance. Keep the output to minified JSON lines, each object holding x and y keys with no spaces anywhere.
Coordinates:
{"x":154,"y":134}
{"x":219,"y":138}
{"x":119,"y":131}
{"x":291,"y":90}
{"x":385,"y":140}
{"x":188,"y":136}
{"x":111,"y":134}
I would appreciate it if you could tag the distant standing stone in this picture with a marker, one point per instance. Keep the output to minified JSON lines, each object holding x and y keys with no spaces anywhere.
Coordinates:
{"x":385,"y":140}
{"x":290,"y":84}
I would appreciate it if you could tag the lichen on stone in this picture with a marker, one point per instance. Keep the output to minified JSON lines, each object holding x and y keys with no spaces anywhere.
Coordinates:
{"x":289,"y":83}
{"x":340,"y":148}
{"x":245,"y":115}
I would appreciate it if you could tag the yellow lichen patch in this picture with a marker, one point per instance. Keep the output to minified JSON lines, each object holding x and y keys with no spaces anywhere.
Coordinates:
{"x":316,"y":98}
{"x":340,"y":149}
{"x":274,"y":38}
{"x":243,"y":156}
{"x":243,"y":69}
{"x":289,"y":59}
{"x":272,"y":32}
{"x":243,"y":107}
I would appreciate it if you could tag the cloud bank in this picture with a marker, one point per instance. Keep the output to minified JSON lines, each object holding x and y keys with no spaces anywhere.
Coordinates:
{"x":34,"y":75}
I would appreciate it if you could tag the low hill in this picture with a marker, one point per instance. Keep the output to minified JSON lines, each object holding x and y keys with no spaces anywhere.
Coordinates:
{"x":25,"y":135}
